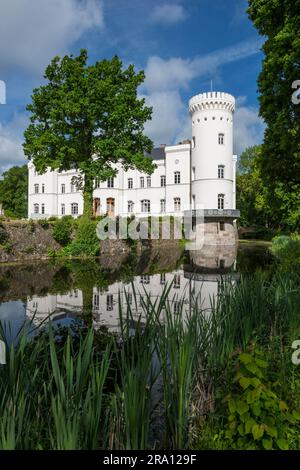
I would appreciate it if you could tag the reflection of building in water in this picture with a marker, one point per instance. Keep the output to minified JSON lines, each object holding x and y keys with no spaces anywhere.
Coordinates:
{"x":195,"y":283}
{"x":56,"y":305}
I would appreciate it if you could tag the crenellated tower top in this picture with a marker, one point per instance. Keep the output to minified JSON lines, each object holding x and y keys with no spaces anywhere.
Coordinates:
{"x":212,"y":100}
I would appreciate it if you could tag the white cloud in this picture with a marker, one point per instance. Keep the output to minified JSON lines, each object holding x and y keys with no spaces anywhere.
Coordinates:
{"x":11,"y":151}
{"x":166,"y":78}
{"x":33,"y":31}
{"x":177,"y":72}
{"x":168,"y":14}
{"x":248,"y":127}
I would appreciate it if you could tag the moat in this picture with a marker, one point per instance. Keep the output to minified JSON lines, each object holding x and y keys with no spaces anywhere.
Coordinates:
{"x":68,"y":290}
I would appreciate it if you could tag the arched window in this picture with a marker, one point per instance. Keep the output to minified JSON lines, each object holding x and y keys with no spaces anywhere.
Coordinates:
{"x":130,"y":183}
{"x":221,"y":198}
{"x":177,"y":177}
{"x":162,"y":206}
{"x":221,"y":139}
{"x":145,"y":205}
{"x":221,"y":170}
{"x":177,"y":204}
{"x":36,"y":188}
{"x":130,"y":207}
{"x":110,"y":182}
{"x":36,"y":208}
{"x":74,"y":208}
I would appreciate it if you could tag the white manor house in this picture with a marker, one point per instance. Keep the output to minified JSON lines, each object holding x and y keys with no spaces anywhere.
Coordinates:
{"x":194,"y":173}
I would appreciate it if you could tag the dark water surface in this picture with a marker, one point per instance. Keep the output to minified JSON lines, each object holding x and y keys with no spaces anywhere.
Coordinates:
{"x":67,"y":289}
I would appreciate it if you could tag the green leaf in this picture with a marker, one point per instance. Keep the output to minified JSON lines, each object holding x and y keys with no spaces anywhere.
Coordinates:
{"x":245,"y":358}
{"x":257,"y":431}
{"x":272,"y":431}
{"x":282,"y":444}
{"x":296,"y":415}
{"x":231,"y":406}
{"x":283,"y":406}
{"x":267,"y":444}
{"x":241,"y":407}
{"x":249,"y":425}
{"x":245,"y":382}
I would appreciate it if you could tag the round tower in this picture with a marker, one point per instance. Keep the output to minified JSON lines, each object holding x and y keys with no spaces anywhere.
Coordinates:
{"x":212,"y":161}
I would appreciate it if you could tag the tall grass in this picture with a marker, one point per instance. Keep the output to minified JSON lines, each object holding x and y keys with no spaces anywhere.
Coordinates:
{"x":67,"y":393}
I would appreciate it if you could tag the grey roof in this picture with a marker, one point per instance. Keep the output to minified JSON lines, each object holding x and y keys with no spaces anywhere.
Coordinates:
{"x":157,"y":153}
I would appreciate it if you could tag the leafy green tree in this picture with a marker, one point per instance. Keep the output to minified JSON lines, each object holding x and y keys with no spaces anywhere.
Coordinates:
{"x":14,"y":191}
{"x":251,"y":192}
{"x":278,"y":21}
{"x":88,"y":117}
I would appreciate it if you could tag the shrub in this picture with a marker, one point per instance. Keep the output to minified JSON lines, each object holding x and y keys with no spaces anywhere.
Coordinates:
{"x":257,"y":417}
{"x":31,"y":226}
{"x":43,"y":223}
{"x":287,"y":250}
{"x":86,"y":242}
{"x":3,"y":235}
{"x":62,"y":230}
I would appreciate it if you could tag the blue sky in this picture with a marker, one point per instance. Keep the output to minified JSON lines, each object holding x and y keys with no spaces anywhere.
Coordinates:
{"x":181,"y":44}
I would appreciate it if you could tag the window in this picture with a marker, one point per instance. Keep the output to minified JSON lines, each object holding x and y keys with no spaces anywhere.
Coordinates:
{"x":221,"y":169}
{"x":162,"y":205}
{"x":221,"y":139}
{"x":177,"y":204}
{"x":43,"y":208}
{"x":72,"y":188}
{"x":145,"y":205}
{"x":148,"y":181}
{"x":176,"y":283}
{"x":63,"y":209}
{"x":36,"y":188}
{"x":74,"y":208}
{"x":97,"y":183}
{"x":130,"y":207}
{"x":43,"y":188}
{"x":193,"y":173}
{"x":193,"y":142}
{"x":222,"y":263}
{"x":145,"y":279}
{"x":163,"y":278}
{"x":36,"y":208}
{"x":221,"y":201}
{"x":96,"y":301}
{"x":222,"y":226}
{"x":63,"y":188}
{"x":130,"y":183}
{"x":193,"y":202}
{"x":177,"y":307}
{"x":142,"y":182}
{"x":163,"y":181}
{"x":109,"y":302}
{"x":110,"y":182}
{"x":177,"y":177}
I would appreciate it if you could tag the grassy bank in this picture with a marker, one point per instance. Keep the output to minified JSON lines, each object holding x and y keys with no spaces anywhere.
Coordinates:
{"x":184,"y":380}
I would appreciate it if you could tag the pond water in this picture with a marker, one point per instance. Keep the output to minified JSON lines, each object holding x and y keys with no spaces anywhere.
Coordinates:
{"x":67,"y":290}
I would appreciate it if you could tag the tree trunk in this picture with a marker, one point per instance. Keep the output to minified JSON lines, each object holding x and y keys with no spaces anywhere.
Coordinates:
{"x":88,"y":196}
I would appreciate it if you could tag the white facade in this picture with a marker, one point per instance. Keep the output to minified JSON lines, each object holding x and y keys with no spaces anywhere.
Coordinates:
{"x":195,"y":173}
